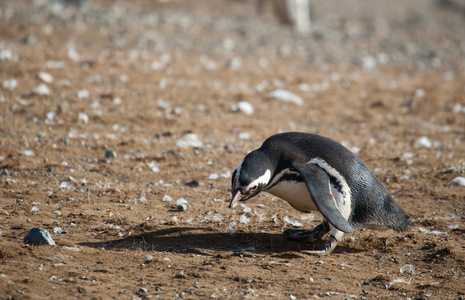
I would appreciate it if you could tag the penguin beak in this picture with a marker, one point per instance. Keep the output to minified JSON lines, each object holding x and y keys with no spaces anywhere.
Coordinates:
{"x":236,"y":197}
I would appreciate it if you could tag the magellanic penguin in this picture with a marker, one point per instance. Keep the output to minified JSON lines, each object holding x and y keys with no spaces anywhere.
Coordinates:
{"x":312,"y":173}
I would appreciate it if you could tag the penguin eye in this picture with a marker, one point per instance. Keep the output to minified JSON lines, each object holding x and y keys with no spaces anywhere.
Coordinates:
{"x":253,"y":188}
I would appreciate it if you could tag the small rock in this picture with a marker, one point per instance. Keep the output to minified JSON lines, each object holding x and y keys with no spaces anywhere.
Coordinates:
{"x":422,"y":142}
{"x":319,"y":262}
{"x":286,"y":96}
{"x":244,"y":135}
{"x":42,"y":90}
{"x":10,"y":84}
{"x":27,"y":153}
{"x":245,"y":107}
{"x":110,"y":154}
{"x":45,"y":77}
{"x":5,"y":172}
{"x":38,"y":236}
{"x":409,"y":268}
{"x":189,"y":140}
{"x":6,"y":54}
{"x":243,"y":219}
{"x":83,"y":117}
{"x":81,"y":290}
{"x":83,"y":94}
{"x":57,"y":230}
{"x":460,"y":181}
{"x":167,"y":198}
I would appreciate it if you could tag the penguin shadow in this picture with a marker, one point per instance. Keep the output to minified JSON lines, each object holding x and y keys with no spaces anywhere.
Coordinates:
{"x":200,"y":241}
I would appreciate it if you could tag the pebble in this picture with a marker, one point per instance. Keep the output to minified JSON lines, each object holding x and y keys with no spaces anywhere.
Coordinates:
{"x":45,"y":77}
{"x":83,"y":94}
{"x":422,"y":142}
{"x":27,"y":153}
{"x":181,"y":204}
{"x":38,"y":236}
{"x":245,"y":107}
{"x":83,"y":117}
{"x":243,"y":219}
{"x":110,"y":154}
{"x":286,"y":96}
{"x":42,"y":89}
{"x":189,"y":140}
{"x":460,"y":181}
{"x":408,"y":268}
{"x":6,"y":54}
{"x":244,"y":135}
{"x":167,"y":198}
{"x":319,"y":262}
{"x":10,"y":84}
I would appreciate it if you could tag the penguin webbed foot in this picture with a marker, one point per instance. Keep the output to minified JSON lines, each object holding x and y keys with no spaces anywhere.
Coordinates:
{"x":308,"y":235}
{"x":327,"y":249}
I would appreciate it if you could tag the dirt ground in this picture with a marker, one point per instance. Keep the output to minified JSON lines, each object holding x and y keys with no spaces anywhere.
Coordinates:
{"x":131,"y":79}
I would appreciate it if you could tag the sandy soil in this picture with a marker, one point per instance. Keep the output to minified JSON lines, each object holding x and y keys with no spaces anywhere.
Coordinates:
{"x":387,"y":81}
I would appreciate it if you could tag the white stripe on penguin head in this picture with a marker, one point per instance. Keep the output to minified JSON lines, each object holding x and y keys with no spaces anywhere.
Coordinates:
{"x":264,"y":179}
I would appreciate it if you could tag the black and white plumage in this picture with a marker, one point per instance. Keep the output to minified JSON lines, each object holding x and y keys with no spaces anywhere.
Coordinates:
{"x":312,"y":173}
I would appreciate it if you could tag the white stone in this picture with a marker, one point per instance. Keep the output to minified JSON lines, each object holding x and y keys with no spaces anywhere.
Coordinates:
{"x":10,"y":84}
{"x":189,"y":140}
{"x":460,"y":181}
{"x":45,"y":77}
{"x":41,"y":89}
{"x":83,"y":94}
{"x":286,"y":96}
{"x":245,"y":107}
{"x":83,"y":117}
{"x":422,"y":142}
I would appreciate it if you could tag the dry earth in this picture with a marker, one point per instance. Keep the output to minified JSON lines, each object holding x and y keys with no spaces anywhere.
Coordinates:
{"x":385,"y":78}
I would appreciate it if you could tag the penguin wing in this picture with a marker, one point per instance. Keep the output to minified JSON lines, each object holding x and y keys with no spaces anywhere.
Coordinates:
{"x":318,"y":185}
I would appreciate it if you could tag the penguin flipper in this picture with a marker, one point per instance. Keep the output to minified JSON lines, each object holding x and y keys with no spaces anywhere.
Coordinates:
{"x":318,"y":185}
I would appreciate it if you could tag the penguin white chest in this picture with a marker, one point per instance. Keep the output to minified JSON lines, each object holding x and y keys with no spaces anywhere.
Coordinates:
{"x":295,"y":193}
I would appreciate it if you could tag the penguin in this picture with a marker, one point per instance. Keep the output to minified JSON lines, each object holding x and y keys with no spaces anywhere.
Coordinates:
{"x":315,"y":173}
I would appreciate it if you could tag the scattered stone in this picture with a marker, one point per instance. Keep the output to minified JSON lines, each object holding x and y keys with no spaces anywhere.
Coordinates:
{"x":83,"y":94}
{"x":110,"y":154}
{"x":189,"y":140}
{"x":167,"y":198}
{"x":83,"y":117}
{"x":27,"y":153}
{"x":38,"y":236}
{"x":459,"y":181}
{"x":6,"y":54}
{"x":319,"y":262}
{"x":245,"y":107}
{"x":50,"y":115}
{"x":5,"y":172}
{"x":409,"y":268}
{"x":213,"y":176}
{"x":45,"y":77}
{"x":429,"y":231}
{"x":81,"y":290}
{"x":10,"y":84}
{"x":181,"y":204}
{"x":244,"y":135}
{"x":42,"y":90}
{"x":422,"y":142}
{"x":243,"y":219}
{"x":286,"y":96}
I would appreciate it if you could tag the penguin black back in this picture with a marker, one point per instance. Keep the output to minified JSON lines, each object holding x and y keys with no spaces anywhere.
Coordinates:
{"x":370,"y":199}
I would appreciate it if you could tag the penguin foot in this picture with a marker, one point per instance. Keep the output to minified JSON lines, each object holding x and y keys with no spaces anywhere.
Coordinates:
{"x":308,"y":235}
{"x":327,"y":249}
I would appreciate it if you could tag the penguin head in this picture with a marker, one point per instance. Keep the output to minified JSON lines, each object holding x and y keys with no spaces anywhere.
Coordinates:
{"x":251,"y":176}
